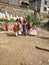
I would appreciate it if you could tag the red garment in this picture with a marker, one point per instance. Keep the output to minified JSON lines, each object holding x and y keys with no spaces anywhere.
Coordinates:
{"x":15,"y":28}
{"x":6,"y":25}
{"x":28,"y":26}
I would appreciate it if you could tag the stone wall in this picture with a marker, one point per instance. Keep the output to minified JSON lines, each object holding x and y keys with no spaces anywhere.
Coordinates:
{"x":6,"y":1}
{"x":12,"y":10}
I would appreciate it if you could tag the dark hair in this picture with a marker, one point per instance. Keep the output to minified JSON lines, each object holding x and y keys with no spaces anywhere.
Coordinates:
{"x":6,"y":20}
{"x":33,"y":24}
{"x":16,"y":19}
{"x":24,"y":21}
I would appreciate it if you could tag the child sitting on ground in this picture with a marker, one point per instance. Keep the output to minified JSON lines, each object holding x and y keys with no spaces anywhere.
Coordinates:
{"x":33,"y":31}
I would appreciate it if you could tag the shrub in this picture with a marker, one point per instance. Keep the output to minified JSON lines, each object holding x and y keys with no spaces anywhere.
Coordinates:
{"x":35,"y":21}
{"x":11,"y":20}
{"x":28,"y":18}
{"x":2,"y":20}
{"x":32,"y":20}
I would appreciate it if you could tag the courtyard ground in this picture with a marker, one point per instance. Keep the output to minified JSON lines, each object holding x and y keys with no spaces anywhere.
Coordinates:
{"x":22,"y":50}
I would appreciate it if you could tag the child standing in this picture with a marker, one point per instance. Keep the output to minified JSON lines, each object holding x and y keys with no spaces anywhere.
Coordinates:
{"x":6,"y":25}
{"x":19,"y":28}
{"x":24,"y":27}
{"x":28,"y":26}
{"x":15,"y":28}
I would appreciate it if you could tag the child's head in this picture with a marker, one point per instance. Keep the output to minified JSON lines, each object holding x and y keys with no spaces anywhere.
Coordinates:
{"x":19,"y":21}
{"x":6,"y":21}
{"x":24,"y":21}
{"x":33,"y":26}
{"x":16,"y":20}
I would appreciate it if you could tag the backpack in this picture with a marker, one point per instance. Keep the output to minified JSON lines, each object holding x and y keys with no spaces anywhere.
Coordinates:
{"x":15,"y":28}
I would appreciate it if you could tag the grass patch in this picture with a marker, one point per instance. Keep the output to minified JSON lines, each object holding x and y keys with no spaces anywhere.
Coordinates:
{"x":4,"y":20}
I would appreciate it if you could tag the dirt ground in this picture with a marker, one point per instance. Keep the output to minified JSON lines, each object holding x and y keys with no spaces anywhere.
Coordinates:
{"x":22,"y":50}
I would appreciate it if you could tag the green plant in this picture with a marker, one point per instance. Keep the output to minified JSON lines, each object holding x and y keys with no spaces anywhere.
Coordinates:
{"x":35,"y":20}
{"x":28,"y":18}
{"x":32,"y":20}
{"x":3,"y":20}
{"x":11,"y":20}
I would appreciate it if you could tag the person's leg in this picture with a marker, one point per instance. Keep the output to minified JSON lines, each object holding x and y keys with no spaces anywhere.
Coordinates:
{"x":20,"y":33}
{"x":24,"y":32}
{"x":16,"y":34}
{"x":6,"y":28}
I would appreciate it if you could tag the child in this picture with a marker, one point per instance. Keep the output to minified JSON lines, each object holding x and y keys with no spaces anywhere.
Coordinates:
{"x":15,"y":28}
{"x":28,"y":26}
{"x":33,"y":31}
{"x":20,"y":28}
{"x":6,"y":25}
{"x":24,"y":27}
{"x":21,"y":19}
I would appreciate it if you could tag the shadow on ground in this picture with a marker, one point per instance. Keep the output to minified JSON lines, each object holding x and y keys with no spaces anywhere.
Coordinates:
{"x":44,"y":49}
{"x":11,"y":35}
{"x":44,"y":37}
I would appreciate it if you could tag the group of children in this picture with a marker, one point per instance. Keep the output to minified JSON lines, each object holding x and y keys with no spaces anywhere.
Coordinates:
{"x":21,"y":27}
